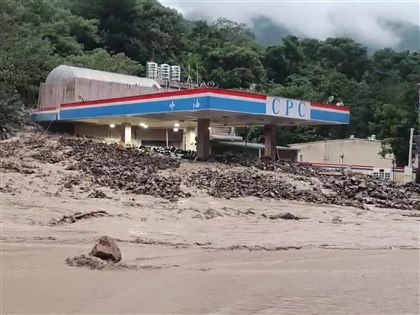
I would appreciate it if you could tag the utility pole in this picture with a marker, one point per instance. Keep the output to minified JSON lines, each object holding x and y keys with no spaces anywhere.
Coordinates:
{"x":417,"y":144}
{"x":410,"y":148}
{"x":418,"y":105}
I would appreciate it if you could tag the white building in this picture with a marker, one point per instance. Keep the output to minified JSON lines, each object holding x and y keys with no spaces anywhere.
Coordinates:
{"x":361,"y":155}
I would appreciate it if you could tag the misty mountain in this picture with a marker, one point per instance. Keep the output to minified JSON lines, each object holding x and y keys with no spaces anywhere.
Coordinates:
{"x":409,"y":34}
{"x":269,"y":33}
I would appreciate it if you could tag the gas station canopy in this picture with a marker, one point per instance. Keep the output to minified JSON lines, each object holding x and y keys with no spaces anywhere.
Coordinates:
{"x":221,"y":107}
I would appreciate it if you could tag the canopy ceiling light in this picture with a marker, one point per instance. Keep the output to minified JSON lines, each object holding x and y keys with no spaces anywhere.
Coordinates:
{"x":112,"y":125}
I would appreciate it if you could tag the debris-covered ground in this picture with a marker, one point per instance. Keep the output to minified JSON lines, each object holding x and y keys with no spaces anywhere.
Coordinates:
{"x":138,"y":171}
{"x":184,"y":225}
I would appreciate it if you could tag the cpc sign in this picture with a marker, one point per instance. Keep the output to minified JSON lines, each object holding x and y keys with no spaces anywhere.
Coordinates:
{"x":283,"y":107}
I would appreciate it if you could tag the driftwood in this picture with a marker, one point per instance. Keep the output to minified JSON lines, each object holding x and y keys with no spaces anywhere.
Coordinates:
{"x":79,"y":216}
{"x":284,"y":216}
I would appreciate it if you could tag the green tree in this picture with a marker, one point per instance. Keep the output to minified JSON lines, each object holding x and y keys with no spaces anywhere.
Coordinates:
{"x":141,"y":29}
{"x":228,"y":54}
{"x":25,"y":55}
{"x":12,"y":109}
{"x":346,"y":56}
{"x":100,"y":59}
{"x":393,"y":119}
{"x":35,"y":35}
{"x":235,"y":67}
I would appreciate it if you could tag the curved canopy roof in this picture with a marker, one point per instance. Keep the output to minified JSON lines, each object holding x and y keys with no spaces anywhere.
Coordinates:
{"x":64,"y":72}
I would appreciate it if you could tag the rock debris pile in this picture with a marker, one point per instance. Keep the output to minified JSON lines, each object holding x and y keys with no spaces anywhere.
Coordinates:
{"x":234,"y":184}
{"x":171,"y":151}
{"x":375,"y":192}
{"x":138,"y":171}
{"x":5,"y":133}
{"x":125,"y":168}
{"x":334,"y":187}
{"x":266,"y":164}
{"x":356,"y":191}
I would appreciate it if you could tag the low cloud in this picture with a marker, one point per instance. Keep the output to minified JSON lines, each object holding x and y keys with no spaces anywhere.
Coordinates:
{"x":358,"y":19}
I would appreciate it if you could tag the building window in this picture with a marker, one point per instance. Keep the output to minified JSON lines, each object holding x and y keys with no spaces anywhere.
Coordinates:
{"x":381,"y":174}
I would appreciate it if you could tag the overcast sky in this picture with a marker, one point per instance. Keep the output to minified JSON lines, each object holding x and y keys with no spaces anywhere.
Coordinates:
{"x":318,"y":19}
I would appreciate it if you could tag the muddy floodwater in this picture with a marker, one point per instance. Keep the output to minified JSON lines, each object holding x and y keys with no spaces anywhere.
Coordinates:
{"x":193,"y":261}
{"x":197,"y":255}
{"x":190,"y":281}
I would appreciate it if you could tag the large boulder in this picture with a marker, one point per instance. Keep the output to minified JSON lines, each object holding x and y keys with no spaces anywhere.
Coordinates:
{"x":107,"y":249}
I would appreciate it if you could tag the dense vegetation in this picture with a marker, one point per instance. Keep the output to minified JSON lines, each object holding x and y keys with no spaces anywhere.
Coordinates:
{"x":121,"y":36}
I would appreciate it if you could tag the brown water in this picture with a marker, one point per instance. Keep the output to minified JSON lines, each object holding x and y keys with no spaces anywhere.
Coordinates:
{"x":209,"y":255}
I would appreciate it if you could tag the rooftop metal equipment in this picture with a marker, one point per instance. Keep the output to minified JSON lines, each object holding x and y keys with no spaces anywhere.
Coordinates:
{"x":164,"y":72}
{"x":152,"y":70}
{"x":175,"y":73}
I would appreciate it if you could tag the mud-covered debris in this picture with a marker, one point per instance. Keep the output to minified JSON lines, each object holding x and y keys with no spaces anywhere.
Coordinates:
{"x":125,"y":168}
{"x":97,"y":194}
{"x":70,"y":181}
{"x":260,"y":247}
{"x":86,"y":261}
{"x":144,"y":241}
{"x":207,"y":214}
{"x":412,"y":215}
{"x":284,"y":216}
{"x":107,"y":249}
{"x":15,"y":167}
{"x":71,"y":167}
{"x":8,"y":149}
{"x":337,"y":220}
{"x":250,"y":182}
{"x":8,"y":188}
{"x":79,"y":216}
{"x":170,"y":151}
{"x":47,"y":156}
{"x":95,"y":263}
{"x":137,"y":171}
{"x":6,"y":133}
{"x":354,"y":191}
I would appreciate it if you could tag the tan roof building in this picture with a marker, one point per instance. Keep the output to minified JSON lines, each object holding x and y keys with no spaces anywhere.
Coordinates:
{"x":344,"y":151}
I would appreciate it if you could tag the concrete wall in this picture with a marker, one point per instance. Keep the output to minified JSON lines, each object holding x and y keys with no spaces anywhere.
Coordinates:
{"x":139,"y":135}
{"x":348,"y":151}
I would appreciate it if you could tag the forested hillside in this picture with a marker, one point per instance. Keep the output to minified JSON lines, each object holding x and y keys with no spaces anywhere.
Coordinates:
{"x":120,"y":36}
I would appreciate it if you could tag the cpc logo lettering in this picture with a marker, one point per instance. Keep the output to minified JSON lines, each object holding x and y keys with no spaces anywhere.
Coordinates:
{"x":276,"y":106}
{"x":286,"y":107}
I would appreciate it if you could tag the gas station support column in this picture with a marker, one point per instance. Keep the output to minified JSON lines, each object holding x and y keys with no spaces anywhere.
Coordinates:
{"x":126,"y":133}
{"x":270,"y":142}
{"x":190,"y":139}
{"x":203,"y":139}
